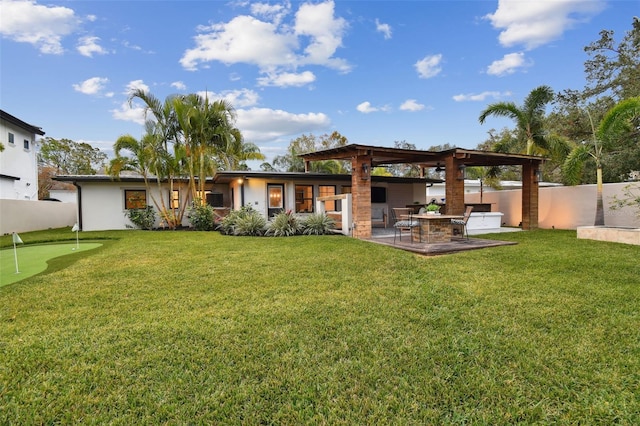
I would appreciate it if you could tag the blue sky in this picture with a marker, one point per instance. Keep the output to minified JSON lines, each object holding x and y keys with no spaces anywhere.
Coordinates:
{"x":375,"y":71}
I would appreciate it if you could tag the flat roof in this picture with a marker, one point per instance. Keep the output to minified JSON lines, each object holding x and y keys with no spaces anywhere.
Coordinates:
{"x":382,"y":155}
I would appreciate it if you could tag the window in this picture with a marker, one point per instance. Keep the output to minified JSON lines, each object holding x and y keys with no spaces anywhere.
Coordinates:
{"x":304,"y":199}
{"x":326,"y":191}
{"x":215,"y":199}
{"x":135,"y":199}
{"x":26,"y":144}
{"x":174,"y":199}
{"x":11,"y":139}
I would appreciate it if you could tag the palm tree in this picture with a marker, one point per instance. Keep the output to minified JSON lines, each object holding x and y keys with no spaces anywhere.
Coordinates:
{"x":617,"y":123}
{"x":529,"y":119}
{"x":150,"y":161}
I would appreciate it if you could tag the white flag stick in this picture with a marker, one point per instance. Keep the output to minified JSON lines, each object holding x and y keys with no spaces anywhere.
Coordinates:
{"x":16,"y":240}
{"x":75,"y":229}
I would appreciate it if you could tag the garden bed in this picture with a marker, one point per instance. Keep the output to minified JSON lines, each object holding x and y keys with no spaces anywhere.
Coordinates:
{"x":626,"y":235}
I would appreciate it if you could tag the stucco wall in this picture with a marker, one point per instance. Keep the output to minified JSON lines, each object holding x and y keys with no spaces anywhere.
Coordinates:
{"x":18,"y":162}
{"x":565,"y":207}
{"x":25,"y":216}
{"x":103,"y":205}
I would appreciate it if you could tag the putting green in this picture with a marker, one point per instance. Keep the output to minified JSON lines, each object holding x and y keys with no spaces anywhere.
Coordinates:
{"x":33,"y":260}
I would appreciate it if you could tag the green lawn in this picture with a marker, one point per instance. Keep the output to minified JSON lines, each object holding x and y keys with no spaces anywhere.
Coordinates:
{"x":199,"y":328}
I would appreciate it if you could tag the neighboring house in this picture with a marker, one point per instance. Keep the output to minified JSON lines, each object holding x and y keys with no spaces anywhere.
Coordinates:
{"x":104,"y":201}
{"x":18,"y":160}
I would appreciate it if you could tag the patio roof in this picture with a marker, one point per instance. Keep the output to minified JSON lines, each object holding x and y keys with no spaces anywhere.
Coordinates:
{"x":228,"y":176}
{"x":381,"y":156}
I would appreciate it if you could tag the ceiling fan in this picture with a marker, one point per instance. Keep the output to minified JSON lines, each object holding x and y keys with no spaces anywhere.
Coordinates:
{"x":439,"y":168}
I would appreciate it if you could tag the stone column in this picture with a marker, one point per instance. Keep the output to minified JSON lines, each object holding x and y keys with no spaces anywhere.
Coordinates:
{"x":529,"y":196}
{"x":454,"y":187}
{"x":361,"y":196}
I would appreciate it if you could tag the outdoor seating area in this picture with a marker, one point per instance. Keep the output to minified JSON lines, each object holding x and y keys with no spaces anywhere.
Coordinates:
{"x":457,"y":243}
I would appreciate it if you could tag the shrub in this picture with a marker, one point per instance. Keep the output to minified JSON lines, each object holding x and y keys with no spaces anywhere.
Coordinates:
{"x":201,"y":216}
{"x":284,"y":224}
{"x":318,"y":224}
{"x":245,"y":221}
{"x":142,"y":218}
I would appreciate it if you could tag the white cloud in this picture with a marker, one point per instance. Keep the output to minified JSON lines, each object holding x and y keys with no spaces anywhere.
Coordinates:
{"x":318,"y":22}
{"x":91,"y":86}
{"x":44,"y":27}
{"x":273,"y":12}
{"x":264,"y":124}
{"x":238,"y":98}
{"x":135,"y":85}
{"x":126,"y":112}
{"x":88,"y":45}
{"x":411,"y":105}
{"x":534,"y":23}
{"x":429,"y":66}
{"x":480,"y":96}
{"x":179,"y":85}
{"x":244,"y":39}
{"x":385,"y":29}
{"x":508,"y":64}
{"x":312,"y":38}
{"x":287,"y":79}
{"x":366,"y":108}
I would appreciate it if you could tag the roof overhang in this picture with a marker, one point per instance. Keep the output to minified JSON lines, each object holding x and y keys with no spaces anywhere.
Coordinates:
{"x":230,"y":176}
{"x":16,"y":121}
{"x":382,"y":156}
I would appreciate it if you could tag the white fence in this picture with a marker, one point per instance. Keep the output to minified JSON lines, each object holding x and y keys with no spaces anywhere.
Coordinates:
{"x":25,"y":216}
{"x":564,"y":207}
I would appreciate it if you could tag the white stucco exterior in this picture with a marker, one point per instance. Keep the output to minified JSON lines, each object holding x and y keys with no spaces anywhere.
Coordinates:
{"x":18,"y":161}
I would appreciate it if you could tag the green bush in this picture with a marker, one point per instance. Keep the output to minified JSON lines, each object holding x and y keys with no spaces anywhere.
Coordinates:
{"x":201,"y":216}
{"x":318,"y":224}
{"x":284,"y":224}
{"x":245,"y":221}
{"x":142,"y":218}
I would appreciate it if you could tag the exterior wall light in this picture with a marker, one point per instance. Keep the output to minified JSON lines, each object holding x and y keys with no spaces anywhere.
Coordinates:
{"x":462,"y":172}
{"x":537,"y":177}
{"x":366,"y":171}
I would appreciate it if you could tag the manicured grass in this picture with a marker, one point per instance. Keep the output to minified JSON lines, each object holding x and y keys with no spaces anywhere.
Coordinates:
{"x":195,"y":327}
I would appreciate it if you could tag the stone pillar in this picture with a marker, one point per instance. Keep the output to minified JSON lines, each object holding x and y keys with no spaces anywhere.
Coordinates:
{"x":529,"y":196}
{"x":361,"y":196}
{"x":454,"y":187}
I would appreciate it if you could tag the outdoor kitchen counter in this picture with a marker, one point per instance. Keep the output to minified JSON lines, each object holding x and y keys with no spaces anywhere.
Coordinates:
{"x":433,"y":228}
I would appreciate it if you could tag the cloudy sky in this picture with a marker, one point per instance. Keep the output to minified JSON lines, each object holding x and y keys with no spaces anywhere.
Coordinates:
{"x":375,"y":71}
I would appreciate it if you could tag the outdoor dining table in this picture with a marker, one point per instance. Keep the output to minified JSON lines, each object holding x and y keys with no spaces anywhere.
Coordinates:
{"x":433,"y":228}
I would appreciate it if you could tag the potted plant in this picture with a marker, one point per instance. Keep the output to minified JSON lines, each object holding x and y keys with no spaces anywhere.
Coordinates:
{"x":433,"y":209}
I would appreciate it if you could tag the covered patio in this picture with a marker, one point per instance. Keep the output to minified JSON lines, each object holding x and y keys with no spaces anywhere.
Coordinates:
{"x":457,"y":243}
{"x":454,"y":162}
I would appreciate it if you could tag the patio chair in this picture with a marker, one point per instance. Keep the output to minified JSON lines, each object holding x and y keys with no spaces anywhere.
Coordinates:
{"x":403,"y":221}
{"x":463,"y":222}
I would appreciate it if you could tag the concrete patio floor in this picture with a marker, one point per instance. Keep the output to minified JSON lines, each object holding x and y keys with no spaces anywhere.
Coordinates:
{"x":457,"y":244}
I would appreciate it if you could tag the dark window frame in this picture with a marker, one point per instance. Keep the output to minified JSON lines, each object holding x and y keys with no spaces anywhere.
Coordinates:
{"x":304,"y":203}
{"x":132,"y":202}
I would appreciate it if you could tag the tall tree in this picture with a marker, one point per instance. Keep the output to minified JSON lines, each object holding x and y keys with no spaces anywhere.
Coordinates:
{"x":70,"y":157}
{"x":529,"y":120}
{"x":612,"y":73}
{"x":291,"y":162}
{"x":614,"y":70}
{"x":621,"y":122}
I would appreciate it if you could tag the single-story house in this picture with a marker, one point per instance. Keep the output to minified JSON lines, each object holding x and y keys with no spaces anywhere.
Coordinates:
{"x":103,"y":201}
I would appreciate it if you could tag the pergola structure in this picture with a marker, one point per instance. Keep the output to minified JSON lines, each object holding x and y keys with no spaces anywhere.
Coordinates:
{"x":454,"y":161}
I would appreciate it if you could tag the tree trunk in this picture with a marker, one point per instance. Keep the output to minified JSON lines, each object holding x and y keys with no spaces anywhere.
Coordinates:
{"x":599,"y":205}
